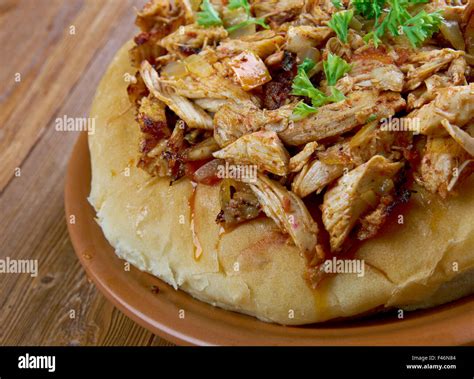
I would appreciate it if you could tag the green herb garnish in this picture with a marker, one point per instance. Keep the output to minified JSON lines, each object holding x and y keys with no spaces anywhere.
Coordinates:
{"x":337,"y":4}
{"x":249,"y":21}
{"x":244,"y":4}
{"x":302,"y":86}
{"x":398,"y":21}
{"x":335,"y":68}
{"x":302,"y":110}
{"x":236,"y":4}
{"x":208,"y":16}
{"x":369,"y":9}
{"x":340,"y":24}
{"x":421,"y":27}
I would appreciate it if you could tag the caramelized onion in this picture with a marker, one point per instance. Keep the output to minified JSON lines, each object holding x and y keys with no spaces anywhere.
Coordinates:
{"x":197,"y":65}
{"x":452,"y":32}
{"x":174,"y":70}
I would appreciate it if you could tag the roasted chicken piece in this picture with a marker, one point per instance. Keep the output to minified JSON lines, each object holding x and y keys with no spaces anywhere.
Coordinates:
{"x":338,"y":118}
{"x":444,"y":164}
{"x":202,"y":150}
{"x":146,"y":48}
{"x":263,"y":149}
{"x":173,"y":153}
{"x":356,"y":194}
{"x":154,"y":162}
{"x":421,"y":65}
{"x":454,"y":76}
{"x":468,"y":23}
{"x":164,"y":16}
{"x":193,"y":115}
{"x":289,"y":213}
{"x":208,"y":81}
{"x":455,"y":104}
{"x":233,"y":120}
{"x":298,"y":161}
{"x":191,"y":39}
{"x":277,"y":12}
{"x":263,"y":44}
{"x":283,"y":69}
{"x":315,"y":176}
{"x":463,"y":138}
{"x":374,"y":68}
{"x":331,"y":163}
{"x":153,"y":124}
{"x":137,"y":90}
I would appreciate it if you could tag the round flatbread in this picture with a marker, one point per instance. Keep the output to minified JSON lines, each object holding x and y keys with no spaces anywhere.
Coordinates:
{"x":427,"y":259}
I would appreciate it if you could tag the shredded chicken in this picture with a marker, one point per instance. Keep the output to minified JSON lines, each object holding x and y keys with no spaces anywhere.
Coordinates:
{"x":263,"y":149}
{"x":299,"y":160}
{"x":338,"y":118}
{"x":191,"y":39}
{"x":194,"y":116}
{"x":262,"y":44}
{"x":288,"y":211}
{"x":422,"y":65}
{"x":326,"y":114}
{"x":315,"y":176}
{"x":456,"y":104}
{"x":444,"y":164}
{"x":354,"y":194}
{"x":234,"y":120}
{"x":375,"y":69}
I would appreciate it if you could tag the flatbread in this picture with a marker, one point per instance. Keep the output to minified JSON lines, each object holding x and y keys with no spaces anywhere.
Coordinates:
{"x":426,"y":261}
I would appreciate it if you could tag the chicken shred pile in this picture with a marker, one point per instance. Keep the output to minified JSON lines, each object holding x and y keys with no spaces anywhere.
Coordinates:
{"x":216,"y":86}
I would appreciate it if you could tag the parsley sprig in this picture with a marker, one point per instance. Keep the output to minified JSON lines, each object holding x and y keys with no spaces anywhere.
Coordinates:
{"x":210,"y":17}
{"x":334,"y":69}
{"x":340,"y":24}
{"x":398,"y":21}
{"x":421,"y":27}
{"x":369,"y":9}
{"x":236,"y":4}
{"x":337,"y":4}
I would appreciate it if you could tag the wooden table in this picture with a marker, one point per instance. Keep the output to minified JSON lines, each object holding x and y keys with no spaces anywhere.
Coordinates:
{"x":53,"y":54}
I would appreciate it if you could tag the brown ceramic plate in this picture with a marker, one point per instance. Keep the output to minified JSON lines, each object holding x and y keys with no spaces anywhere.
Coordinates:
{"x":156,"y":306}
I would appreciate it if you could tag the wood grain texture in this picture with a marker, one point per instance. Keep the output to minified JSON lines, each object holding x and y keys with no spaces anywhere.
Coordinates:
{"x":59,"y":74}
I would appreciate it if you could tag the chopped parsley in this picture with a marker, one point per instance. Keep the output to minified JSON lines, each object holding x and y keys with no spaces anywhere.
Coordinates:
{"x":398,"y":21}
{"x":244,"y":4}
{"x":340,"y":24}
{"x":208,"y":16}
{"x":335,"y":68}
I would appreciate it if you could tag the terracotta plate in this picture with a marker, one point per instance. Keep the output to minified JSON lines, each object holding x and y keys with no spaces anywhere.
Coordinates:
{"x":156,"y":306}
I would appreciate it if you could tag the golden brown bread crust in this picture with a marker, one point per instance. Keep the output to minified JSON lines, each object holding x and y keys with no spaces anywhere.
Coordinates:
{"x":253,"y":269}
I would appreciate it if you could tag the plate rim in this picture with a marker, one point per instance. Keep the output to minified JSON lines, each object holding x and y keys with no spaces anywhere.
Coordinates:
{"x":453,"y":334}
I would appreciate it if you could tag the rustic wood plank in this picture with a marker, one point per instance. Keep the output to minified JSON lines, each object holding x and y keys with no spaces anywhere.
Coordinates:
{"x":29,"y":110}
{"x":60,"y":306}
